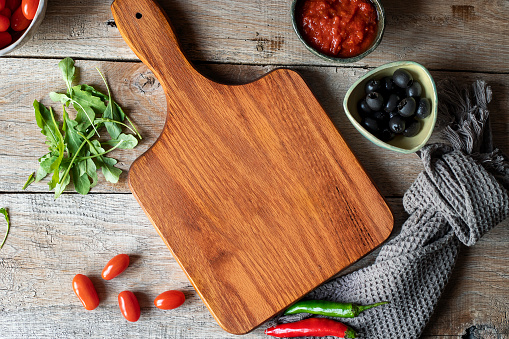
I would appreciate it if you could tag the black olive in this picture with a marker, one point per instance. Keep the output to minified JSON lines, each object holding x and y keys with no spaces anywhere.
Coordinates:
{"x":400,"y":92}
{"x":402,"y":78}
{"x":424,"y":108}
{"x":364,"y":108}
{"x":391,"y":103}
{"x":386,"y":135}
{"x":373,"y":85}
{"x":406,"y":107}
{"x":414,"y":90}
{"x":375,"y":101}
{"x":397,"y":124}
{"x":392,"y":114}
{"x":381,"y":116}
{"x":371,"y":125}
{"x":412,"y":128}
{"x":388,"y":84}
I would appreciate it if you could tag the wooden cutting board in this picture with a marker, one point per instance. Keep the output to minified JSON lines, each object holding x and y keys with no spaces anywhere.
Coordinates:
{"x":251,"y":187}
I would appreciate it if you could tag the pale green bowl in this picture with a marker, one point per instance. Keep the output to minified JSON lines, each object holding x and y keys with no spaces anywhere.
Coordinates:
{"x":429,"y":90}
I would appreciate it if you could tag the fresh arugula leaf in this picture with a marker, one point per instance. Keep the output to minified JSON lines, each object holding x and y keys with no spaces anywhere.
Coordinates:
{"x":132,"y":125}
{"x":110,"y":172}
{"x":128,"y":141}
{"x":88,"y":98}
{"x":107,"y":165}
{"x":60,"y":97}
{"x":61,"y":149}
{"x":81,"y":182}
{"x":64,"y":167}
{"x":45,"y":166}
{"x":72,"y":161}
{"x":30,"y":180}
{"x":41,"y":173}
{"x":50,"y":128}
{"x":101,"y":153}
{"x":101,"y":120}
{"x":68,"y":70}
{"x":44,"y":118}
{"x":93,"y":91}
{"x":72,"y":139}
{"x":81,"y":167}
{"x":111,"y":112}
{"x":92,"y":171}
{"x":6,"y":216}
{"x":122,"y":115}
{"x":87,"y":106}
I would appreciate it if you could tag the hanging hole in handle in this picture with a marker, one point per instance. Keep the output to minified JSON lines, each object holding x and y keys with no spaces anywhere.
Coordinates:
{"x":138,"y":15}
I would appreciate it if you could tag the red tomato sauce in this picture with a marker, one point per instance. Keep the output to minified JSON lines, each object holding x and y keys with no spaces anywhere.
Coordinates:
{"x":338,"y":28}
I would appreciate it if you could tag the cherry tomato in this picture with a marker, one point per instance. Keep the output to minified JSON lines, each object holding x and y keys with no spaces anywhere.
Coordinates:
{"x":5,"y":12}
{"x":18,"y":21}
{"x":85,"y":290}
{"x":5,"y":39}
{"x":29,"y":8}
{"x":115,"y":266}
{"x":129,"y":306}
{"x":12,"y":4}
{"x":169,"y":300}
{"x":2,"y":4}
{"x":4,"y":23}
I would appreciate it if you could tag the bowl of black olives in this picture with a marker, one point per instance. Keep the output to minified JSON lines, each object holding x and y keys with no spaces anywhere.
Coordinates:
{"x":394,"y":106}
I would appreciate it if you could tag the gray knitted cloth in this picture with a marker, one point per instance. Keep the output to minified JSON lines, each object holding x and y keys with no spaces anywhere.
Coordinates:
{"x":457,"y":199}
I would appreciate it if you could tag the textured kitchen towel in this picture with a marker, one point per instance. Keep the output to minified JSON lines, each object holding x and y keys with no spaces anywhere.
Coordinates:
{"x":457,"y":198}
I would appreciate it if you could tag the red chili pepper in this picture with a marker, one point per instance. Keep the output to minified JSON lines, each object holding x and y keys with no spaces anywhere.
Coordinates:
{"x":313,"y":327}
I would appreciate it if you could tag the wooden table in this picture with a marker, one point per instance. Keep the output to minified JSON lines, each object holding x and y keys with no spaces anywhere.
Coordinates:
{"x":235,"y":42}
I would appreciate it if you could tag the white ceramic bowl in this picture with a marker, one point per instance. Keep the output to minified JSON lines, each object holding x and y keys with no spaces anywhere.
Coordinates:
{"x":399,"y":143}
{"x":29,"y":32}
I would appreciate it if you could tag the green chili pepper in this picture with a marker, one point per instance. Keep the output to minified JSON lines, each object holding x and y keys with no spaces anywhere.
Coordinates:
{"x":329,"y":308}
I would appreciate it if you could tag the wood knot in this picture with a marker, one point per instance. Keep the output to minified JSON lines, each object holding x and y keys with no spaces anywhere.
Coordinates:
{"x":268,"y":46}
{"x":146,"y":82}
{"x":111,"y":23}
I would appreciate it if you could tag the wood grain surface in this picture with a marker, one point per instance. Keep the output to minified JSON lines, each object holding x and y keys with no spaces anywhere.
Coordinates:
{"x":459,"y":34}
{"x":231,"y":42}
{"x":51,"y":241}
{"x":251,"y":186}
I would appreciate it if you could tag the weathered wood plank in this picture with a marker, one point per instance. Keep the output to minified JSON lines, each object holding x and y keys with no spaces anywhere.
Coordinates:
{"x":140,"y":93}
{"x":461,"y":35}
{"x":51,"y":241}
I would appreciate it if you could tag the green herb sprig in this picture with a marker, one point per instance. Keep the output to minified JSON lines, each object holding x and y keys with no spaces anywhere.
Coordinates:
{"x":6,"y":216}
{"x":75,"y":153}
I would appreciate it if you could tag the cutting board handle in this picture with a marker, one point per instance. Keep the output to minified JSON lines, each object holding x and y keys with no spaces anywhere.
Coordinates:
{"x":147,"y":30}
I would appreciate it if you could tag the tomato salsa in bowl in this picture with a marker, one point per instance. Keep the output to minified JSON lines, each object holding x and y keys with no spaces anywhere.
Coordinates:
{"x":339,"y":30}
